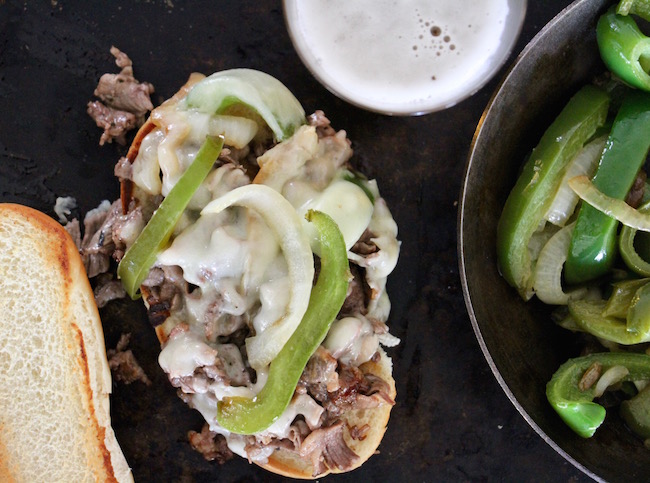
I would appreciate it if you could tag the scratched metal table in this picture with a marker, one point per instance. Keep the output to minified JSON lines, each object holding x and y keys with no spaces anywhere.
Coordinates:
{"x":452,"y":421}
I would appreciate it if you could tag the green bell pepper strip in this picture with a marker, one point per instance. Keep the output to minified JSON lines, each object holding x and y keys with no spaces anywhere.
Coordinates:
{"x":576,"y":407}
{"x":636,"y":7}
{"x":629,"y":251}
{"x":592,"y":250}
{"x":533,"y":192}
{"x":638,"y":315}
{"x":249,"y":416}
{"x":141,"y":256}
{"x":619,"y":301}
{"x":590,"y":315}
{"x":636,"y":413}
{"x":624,"y":49}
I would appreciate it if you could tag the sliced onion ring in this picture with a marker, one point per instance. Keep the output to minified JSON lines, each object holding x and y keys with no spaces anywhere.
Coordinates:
{"x":611,"y":376}
{"x":548,"y":269}
{"x":613,"y":207}
{"x":566,"y":199}
{"x":285,"y":223}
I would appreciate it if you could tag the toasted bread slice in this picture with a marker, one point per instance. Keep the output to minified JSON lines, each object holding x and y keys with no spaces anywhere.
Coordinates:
{"x":54,"y":377}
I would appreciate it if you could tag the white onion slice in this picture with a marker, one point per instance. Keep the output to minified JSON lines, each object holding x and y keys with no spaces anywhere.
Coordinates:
{"x":283,"y":220}
{"x":613,"y":207}
{"x":547,"y":282}
{"x":611,"y":376}
{"x":565,"y":200}
{"x":237,"y":131}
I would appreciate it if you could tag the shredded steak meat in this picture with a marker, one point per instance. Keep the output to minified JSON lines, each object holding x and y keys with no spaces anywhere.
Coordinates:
{"x":107,"y":289}
{"x":74,"y":230}
{"x":365,"y":245}
{"x":164,"y":286}
{"x":359,"y":292}
{"x":341,"y":387}
{"x":211,"y":445}
{"x":123,"y":101}
{"x":233,"y":364}
{"x":98,"y":243}
{"x":326,"y":448}
{"x":320,"y":376}
{"x":298,"y":431}
{"x":357,"y":391}
{"x":322,"y":124}
{"x":359,"y":433}
{"x":202,"y":378}
{"x":114,"y":122}
{"x":123,"y":364}
{"x":123,"y":169}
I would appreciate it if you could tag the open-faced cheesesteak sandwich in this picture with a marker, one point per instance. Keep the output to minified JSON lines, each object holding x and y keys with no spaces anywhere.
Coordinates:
{"x":242,"y":288}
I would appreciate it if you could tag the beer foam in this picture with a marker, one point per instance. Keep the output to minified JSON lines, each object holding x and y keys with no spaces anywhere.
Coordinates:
{"x":404,"y":57}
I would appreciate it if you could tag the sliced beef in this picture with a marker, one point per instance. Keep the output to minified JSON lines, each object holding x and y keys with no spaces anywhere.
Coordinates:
{"x":326,"y":448}
{"x":124,"y":366}
{"x":298,"y":431}
{"x":201,"y":379}
{"x":123,"y":169}
{"x":74,"y":230}
{"x":211,"y":445}
{"x":123,"y":91}
{"x":358,"y":296}
{"x":218,"y":323}
{"x":123,"y":101}
{"x":322,"y":124}
{"x":233,"y":364}
{"x":97,"y":244}
{"x":114,"y":122}
{"x":341,"y":387}
{"x":365,"y":245}
{"x":359,"y":432}
{"x":357,"y":390}
{"x":163,"y":288}
{"x":320,"y":376}
{"x":107,"y":288}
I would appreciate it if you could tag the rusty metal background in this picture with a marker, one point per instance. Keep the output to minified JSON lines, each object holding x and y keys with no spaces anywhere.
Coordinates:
{"x":452,"y":422}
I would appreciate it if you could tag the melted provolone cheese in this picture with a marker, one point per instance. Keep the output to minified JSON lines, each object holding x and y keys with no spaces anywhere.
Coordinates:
{"x":352,"y":340}
{"x":349,"y":207}
{"x":183,"y":353}
{"x":234,"y":261}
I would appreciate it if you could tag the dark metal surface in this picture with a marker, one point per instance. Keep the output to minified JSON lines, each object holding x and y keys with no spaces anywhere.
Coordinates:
{"x":452,"y":421}
{"x":522,"y":344}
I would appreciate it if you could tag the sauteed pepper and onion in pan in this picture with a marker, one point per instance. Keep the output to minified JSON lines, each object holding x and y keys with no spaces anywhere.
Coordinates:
{"x":575,"y":230}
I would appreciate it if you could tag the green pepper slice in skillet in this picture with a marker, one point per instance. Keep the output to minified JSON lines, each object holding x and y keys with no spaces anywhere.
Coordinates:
{"x":531,"y":196}
{"x":634,"y":247}
{"x":636,"y":7}
{"x":624,"y":48}
{"x":575,"y":405}
{"x":250,"y":416}
{"x":593,"y":243}
{"x":624,"y":318}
